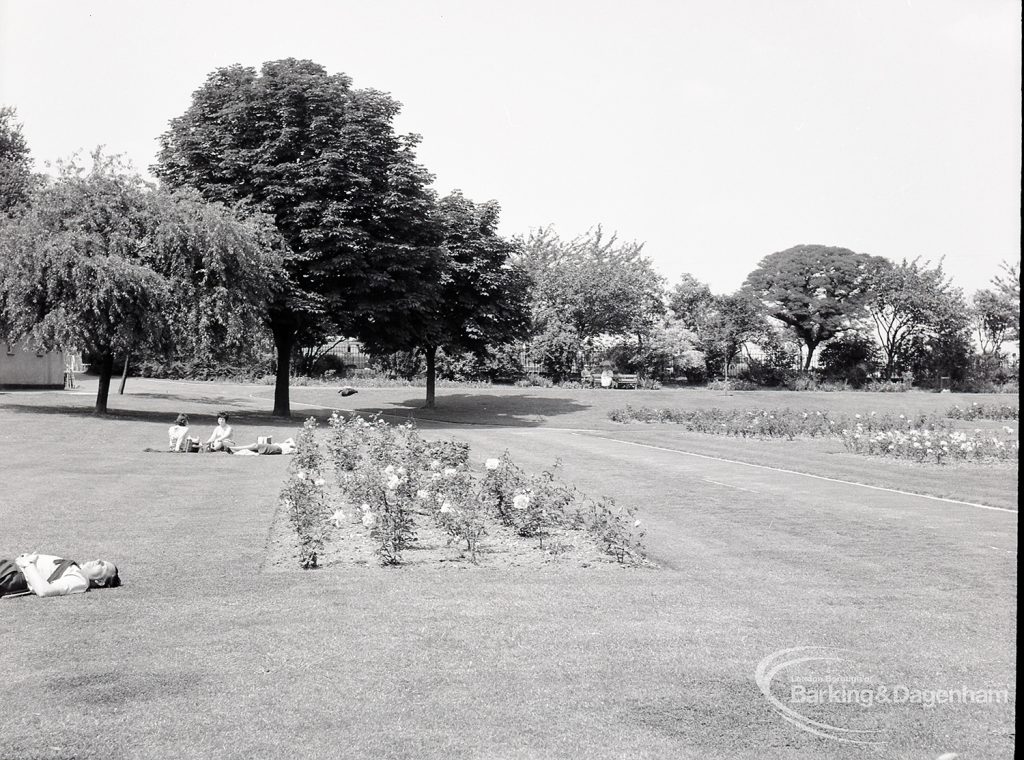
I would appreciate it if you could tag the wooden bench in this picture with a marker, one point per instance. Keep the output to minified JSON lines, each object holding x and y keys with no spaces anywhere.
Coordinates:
{"x":624,"y":381}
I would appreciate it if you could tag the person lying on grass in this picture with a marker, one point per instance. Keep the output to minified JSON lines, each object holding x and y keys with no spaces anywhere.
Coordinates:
{"x":286,"y":446}
{"x":221,"y":436}
{"x":47,"y":575}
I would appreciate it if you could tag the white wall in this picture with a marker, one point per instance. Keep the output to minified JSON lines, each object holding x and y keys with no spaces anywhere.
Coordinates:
{"x":19,"y":367}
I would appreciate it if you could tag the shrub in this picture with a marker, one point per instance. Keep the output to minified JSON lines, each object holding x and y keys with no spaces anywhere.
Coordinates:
{"x":543,"y":505}
{"x":330,"y":366}
{"x":458,"y":508}
{"x":887,"y":386}
{"x":775,"y":423}
{"x":556,"y":348}
{"x":939,"y":446}
{"x":851,"y":358}
{"x":389,"y":475}
{"x":399,"y":364}
{"x":617,"y":529}
{"x":535,"y":381}
{"x":502,"y":482}
{"x":731,"y":385}
{"x":978,"y":411}
{"x":304,"y":496}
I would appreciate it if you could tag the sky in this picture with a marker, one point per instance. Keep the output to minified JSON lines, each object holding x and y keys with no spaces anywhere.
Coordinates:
{"x":715,"y":132}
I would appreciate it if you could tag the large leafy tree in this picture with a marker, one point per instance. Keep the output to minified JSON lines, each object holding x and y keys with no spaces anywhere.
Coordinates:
{"x":323,"y":160}
{"x":723,"y":324}
{"x":817,"y":291}
{"x":16,"y":178}
{"x":905,"y":303}
{"x":480,"y":299}
{"x":1006,"y":296}
{"x":995,"y":321}
{"x":590,"y":286}
{"x":732,"y":321}
{"x":101,"y":263}
{"x":690,"y":300}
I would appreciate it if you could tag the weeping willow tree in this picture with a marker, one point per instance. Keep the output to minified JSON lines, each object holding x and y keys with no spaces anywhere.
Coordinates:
{"x":102,"y":262}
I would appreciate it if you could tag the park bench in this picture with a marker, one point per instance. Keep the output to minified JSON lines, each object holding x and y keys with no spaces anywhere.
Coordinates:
{"x":624,"y":381}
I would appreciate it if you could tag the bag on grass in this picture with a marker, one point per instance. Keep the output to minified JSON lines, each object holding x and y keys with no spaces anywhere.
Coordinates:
{"x":12,"y":580}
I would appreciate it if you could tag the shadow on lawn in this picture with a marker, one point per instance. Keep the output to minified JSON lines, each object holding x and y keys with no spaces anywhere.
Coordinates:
{"x":196,"y":419}
{"x":523,"y":410}
{"x":469,"y":408}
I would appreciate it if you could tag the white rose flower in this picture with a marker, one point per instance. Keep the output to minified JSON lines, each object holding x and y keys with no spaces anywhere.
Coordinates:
{"x":364,"y":507}
{"x":393,"y":482}
{"x":300,"y":475}
{"x":422,"y":494}
{"x":521,"y":501}
{"x":369,"y":519}
{"x":449,"y":472}
{"x":446,"y":507}
{"x":389,"y":469}
{"x":492,"y":463}
{"x":320,"y":482}
{"x":338,"y":518}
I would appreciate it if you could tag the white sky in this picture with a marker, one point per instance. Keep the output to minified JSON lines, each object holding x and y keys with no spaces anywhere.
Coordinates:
{"x":718,"y":131}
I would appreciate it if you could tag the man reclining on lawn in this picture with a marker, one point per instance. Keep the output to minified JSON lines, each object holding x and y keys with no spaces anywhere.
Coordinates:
{"x":46,"y":575}
{"x":286,"y":446}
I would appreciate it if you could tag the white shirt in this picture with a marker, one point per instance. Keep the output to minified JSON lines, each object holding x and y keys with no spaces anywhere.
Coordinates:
{"x":72,"y":581}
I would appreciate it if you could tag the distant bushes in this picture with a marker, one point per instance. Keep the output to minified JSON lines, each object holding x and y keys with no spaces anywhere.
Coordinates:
{"x":984,"y":412}
{"x":201,"y":370}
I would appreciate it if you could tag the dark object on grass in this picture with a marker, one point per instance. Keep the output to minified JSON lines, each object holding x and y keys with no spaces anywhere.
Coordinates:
{"x":348,"y":390}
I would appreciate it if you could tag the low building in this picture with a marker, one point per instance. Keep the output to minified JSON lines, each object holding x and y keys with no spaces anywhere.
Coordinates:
{"x":23,"y":367}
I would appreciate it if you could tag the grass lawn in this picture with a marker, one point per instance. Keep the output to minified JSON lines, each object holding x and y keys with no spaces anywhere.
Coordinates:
{"x":204,"y":653}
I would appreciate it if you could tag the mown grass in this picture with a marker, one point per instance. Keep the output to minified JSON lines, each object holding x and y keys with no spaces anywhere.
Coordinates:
{"x":202,"y":655}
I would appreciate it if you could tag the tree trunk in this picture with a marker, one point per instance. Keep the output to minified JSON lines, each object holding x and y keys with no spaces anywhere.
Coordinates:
{"x":810,"y":355}
{"x":284,"y":339}
{"x":124,"y":374}
{"x":431,"y":353}
{"x":106,"y":372}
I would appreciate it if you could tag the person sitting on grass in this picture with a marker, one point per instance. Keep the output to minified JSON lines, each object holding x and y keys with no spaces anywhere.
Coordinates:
{"x":47,"y":575}
{"x":286,"y":446}
{"x":221,"y":436}
{"x":177,"y":434}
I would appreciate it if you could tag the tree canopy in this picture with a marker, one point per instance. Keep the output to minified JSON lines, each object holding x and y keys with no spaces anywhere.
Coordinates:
{"x":584,"y":288}
{"x":15,"y":164}
{"x":816,"y":290}
{"x":723,"y":324}
{"x":907,"y":302}
{"x":99,"y":262}
{"x":479,"y":300}
{"x":322,"y":159}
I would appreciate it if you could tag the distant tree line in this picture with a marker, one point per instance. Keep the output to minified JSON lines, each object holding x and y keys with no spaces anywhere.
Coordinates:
{"x":289,"y":211}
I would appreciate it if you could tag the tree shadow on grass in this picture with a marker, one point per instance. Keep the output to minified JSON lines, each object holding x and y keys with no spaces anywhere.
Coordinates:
{"x":522,"y":410}
{"x":246,"y":418}
{"x":466,"y":409}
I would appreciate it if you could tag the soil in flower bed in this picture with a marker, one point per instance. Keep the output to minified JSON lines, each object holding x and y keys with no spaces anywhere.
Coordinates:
{"x":351,"y":545}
